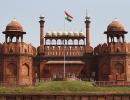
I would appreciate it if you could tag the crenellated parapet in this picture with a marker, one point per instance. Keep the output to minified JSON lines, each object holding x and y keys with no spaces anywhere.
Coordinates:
{"x":112,"y":48}
{"x":17,"y":48}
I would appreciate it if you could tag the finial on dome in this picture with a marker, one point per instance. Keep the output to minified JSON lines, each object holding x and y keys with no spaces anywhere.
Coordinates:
{"x":41,"y":17}
{"x":87,"y":18}
{"x":14,"y":19}
{"x":115,"y":19}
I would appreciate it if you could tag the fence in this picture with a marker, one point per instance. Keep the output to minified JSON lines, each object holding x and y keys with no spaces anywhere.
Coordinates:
{"x":111,"y":83}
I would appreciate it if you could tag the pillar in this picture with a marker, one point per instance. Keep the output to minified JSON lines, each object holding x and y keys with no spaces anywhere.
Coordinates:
{"x":41,"y":30}
{"x":87,"y":22}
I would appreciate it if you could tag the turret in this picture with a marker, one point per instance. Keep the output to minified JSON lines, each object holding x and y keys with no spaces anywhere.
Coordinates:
{"x":14,"y":29}
{"x":115,"y":30}
{"x":87,"y":22}
{"x":89,"y":49}
{"x":41,"y":30}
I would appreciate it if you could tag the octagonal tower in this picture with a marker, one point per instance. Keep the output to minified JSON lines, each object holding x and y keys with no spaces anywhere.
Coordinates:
{"x":16,"y":56}
{"x":113,"y":56}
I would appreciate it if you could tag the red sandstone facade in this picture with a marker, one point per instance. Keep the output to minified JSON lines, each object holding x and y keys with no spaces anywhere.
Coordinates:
{"x":64,"y":54}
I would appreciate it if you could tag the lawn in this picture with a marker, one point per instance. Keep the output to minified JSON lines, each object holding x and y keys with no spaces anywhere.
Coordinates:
{"x":63,"y":86}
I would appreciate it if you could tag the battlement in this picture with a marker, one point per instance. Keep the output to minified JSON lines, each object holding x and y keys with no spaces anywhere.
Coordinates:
{"x":111,"y":48}
{"x":17,"y":48}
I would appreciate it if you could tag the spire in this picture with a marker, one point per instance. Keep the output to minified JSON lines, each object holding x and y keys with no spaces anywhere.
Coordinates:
{"x":86,"y":12}
{"x":41,"y":30}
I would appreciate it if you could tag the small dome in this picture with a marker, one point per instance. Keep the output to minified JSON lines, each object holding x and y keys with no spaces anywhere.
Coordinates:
{"x":59,"y":33}
{"x":64,"y":33}
{"x":54,"y":33}
{"x":14,"y":26}
{"x":75,"y":33}
{"x":115,"y":26}
{"x":48,"y":34}
{"x":70,"y":33}
{"x":81,"y":33}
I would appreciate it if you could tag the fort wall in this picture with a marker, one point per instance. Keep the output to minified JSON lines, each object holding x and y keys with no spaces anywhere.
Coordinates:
{"x":111,"y":48}
{"x":67,"y":96}
{"x":17,"y":48}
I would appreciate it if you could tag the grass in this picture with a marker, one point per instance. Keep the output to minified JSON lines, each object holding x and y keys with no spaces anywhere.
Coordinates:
{"x":63,"y":86}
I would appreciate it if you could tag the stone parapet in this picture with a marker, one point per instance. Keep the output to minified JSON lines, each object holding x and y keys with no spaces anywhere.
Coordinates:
{"x":17,"y":48}
{"x":112,"y":48}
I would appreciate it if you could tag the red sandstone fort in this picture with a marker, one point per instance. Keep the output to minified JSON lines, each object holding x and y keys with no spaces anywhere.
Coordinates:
{"x":64,"y":54}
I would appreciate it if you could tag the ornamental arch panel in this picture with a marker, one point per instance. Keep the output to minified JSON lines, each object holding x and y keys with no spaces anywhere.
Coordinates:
{"x":25,"y":70}
{"x":119,"y":68}
{"x":81,"y":42}
{"x":11,"y":70}
{"x":11,"y":73}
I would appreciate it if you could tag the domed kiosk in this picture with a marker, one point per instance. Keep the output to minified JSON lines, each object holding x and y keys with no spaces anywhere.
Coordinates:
{"x":113,"y":56}
{"x":115,"y":29}
{"x":18,"y":56}
{"x":13,"y":29}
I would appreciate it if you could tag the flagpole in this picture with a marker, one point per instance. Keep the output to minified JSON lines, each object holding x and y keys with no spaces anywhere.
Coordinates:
{"x":64,"y":60}
{"x":64,"y":52}
{"x":64,"y":24}
{"x":69,"y":18}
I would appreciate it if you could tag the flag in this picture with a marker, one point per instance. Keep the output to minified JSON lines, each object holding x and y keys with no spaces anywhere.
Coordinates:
{"x":68,"y":17}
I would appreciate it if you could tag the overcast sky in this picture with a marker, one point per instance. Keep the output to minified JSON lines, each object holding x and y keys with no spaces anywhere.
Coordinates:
{"x":27,"y":12}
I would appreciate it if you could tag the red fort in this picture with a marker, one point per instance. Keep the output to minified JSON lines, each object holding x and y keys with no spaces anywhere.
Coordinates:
{"x":64,"y":54}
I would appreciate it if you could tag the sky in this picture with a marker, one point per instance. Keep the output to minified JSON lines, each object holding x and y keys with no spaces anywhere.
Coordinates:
{"x":101,"y":12}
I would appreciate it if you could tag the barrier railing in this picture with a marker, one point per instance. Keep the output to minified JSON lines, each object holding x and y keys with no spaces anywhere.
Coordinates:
{"x":111,"y":83}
